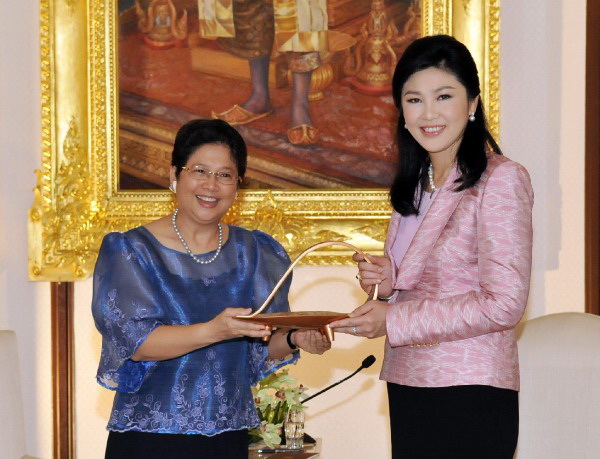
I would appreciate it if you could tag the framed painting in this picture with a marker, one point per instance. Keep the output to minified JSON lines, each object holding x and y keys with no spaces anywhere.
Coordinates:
{"x":120,"y":76}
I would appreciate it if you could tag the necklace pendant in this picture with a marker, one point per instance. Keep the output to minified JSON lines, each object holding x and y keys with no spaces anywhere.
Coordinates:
{"x":431,"y":182}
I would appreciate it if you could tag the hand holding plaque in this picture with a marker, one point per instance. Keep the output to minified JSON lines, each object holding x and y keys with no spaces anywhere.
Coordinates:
{"x":303,"y":319}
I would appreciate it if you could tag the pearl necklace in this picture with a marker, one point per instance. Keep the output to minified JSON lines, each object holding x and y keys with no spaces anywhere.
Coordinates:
{"x":430,"y":174}
{"x":187,"y":247}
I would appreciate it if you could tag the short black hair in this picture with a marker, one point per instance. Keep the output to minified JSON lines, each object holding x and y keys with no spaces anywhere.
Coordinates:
{"x":193,"y":134}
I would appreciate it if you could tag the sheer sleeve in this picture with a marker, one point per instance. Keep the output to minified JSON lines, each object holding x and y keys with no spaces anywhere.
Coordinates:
{"x":126,"y":309}
{"x":271,"y":262}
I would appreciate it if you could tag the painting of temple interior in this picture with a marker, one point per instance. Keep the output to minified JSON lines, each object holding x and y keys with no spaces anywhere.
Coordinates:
{"x":307,"y":83}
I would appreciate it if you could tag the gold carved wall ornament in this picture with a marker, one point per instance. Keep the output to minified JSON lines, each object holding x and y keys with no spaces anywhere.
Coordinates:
{"x":77,"y":198}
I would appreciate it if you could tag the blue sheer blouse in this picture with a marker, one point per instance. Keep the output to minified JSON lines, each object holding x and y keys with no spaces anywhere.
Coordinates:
{"x":139,"y":285}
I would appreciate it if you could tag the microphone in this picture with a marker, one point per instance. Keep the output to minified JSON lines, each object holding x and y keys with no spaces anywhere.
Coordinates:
{"x":366,"y":363}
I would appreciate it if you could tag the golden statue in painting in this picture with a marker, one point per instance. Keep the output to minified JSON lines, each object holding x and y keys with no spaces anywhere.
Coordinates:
{"x":372,"y":64}
{"x":160,"y":26}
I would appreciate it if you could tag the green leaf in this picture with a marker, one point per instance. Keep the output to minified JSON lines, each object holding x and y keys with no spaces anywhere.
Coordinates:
{"x":273,"y":396}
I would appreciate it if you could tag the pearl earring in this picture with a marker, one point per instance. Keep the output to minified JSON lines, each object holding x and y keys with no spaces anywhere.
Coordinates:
{"x":405,"y":126}
{"x":173,"y":186}
{"x":472,"y":117}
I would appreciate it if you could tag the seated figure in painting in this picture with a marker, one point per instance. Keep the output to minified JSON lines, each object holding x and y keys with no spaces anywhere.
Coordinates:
{"x":250,"y":30}
{"x":160,"y":26}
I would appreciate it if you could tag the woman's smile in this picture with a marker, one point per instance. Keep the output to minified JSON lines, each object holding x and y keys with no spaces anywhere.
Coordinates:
{"x":432,"y":131}
{"x":207,"y":201}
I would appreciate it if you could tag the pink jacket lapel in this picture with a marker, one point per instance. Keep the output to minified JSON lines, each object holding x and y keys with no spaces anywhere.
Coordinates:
{"x":413,"y":263}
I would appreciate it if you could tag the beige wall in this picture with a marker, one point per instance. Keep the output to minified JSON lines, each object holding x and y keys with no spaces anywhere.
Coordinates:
{"x":542,"y":126}
{"x":542,"y":81}
{"x":24,"y":307}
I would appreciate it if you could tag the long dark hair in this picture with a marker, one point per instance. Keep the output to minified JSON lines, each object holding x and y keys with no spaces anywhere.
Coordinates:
{"x":446,"y":53}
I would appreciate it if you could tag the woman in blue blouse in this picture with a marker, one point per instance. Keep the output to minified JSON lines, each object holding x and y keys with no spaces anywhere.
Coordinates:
{"x":166,"y":297}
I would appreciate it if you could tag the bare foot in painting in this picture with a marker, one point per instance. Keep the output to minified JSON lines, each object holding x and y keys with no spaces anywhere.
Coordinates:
{"x":258,"y":104}
{"x":302,"y":130}
{"x":259,"y":101}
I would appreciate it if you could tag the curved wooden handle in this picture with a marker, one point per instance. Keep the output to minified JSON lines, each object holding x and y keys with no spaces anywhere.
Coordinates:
{"x":291,"y":267}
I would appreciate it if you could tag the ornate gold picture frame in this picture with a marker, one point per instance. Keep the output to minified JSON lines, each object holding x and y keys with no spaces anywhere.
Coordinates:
{"x":77,"y":199}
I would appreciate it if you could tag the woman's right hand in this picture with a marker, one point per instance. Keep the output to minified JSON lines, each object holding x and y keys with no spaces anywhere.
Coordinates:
{"x":171,"y":341}
{"x":227,"y":326}
{"x":378,"y":271}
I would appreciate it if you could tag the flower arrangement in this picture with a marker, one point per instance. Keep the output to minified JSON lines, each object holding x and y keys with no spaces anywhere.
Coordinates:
{"x":274,"y":396}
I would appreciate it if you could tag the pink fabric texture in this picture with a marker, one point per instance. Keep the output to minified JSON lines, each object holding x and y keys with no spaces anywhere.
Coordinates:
{"x":408,"y":226}
{"x":463,"y":284}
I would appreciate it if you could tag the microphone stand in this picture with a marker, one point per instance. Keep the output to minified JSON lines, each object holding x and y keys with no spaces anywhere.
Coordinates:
{"x":365,"y":364}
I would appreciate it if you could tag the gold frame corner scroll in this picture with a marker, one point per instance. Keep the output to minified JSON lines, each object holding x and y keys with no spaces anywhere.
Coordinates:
{"x":77,"y":199}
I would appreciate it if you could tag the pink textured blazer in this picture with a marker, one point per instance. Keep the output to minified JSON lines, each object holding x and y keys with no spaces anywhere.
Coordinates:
{"x":463,"y":284}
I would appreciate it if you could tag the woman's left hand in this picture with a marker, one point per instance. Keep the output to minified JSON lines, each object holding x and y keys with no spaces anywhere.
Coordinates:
{"x":368,"y":320}
{"x":312,"y":341}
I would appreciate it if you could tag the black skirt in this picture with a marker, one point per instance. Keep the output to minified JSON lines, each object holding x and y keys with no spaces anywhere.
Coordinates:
{"x":143,"y":445}
{"x":453,"y":422}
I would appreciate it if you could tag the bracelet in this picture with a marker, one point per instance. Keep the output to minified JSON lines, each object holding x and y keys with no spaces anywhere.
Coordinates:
{"x":289,"y":339}
{"x":386,"y":298}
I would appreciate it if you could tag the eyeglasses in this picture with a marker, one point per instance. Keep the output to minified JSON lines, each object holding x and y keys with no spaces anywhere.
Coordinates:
{"x":201,"y":174}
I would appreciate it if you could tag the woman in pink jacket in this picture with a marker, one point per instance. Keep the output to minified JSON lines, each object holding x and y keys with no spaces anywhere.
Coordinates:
{"x":455,"y":276}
